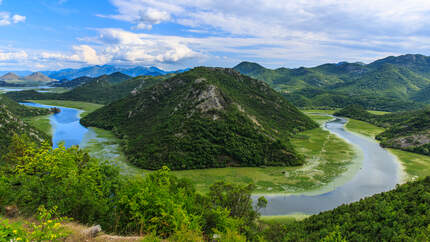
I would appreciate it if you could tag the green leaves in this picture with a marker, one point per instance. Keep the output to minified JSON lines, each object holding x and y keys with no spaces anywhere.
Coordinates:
{"x":70,"y":183}
{"x":244,"y":122}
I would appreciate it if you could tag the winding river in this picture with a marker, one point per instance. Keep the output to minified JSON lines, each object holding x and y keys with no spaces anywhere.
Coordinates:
{"x":65,"y":126}
{"x":379,"y":170}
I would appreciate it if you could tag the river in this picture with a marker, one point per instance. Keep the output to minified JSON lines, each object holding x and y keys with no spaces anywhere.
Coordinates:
{"x":98,"y":143}
{"x":65,"y":126}
{"x":379,"y":170}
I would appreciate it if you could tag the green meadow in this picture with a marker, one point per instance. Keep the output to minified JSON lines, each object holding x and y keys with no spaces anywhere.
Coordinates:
{"x":41,"y":122}
{"x":85,"y":106}
{"x":363,"y":128}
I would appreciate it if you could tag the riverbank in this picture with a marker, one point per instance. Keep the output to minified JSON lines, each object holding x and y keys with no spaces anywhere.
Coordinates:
{"x":86,"y":107}
{"x":412,"y":165}
{"x":99,"y":143}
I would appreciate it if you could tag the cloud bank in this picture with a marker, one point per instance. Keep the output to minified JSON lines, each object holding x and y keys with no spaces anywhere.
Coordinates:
{"x":292,"y":33}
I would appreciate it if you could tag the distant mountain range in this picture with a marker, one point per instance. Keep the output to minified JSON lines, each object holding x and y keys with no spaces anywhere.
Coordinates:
{"x":103,"y":89}
{"x":113,"y":78}
{"x":35,"y":78}
{"x":95,"y":71}
{"x":392,"y":83}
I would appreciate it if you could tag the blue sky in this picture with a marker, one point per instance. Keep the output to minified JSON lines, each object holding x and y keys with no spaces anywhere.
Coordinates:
{"x":174,"y":34}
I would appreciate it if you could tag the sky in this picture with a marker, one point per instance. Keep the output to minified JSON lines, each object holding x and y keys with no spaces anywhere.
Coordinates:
{"x":177,"y":34}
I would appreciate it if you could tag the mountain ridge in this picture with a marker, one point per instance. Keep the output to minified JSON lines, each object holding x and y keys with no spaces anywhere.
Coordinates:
{"x":98,"y":70}
{"x":399,"y":79}
{"x":33,"y":78}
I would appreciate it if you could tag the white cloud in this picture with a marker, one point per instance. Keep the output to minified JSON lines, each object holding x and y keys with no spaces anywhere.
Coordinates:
{"x":304,"y":32}
{"x":280,"y":17}
{"x":88,"y":55}
{"x":6,"y":18}
{"x":18,"y":18}
{"x":12,"y":55}
{"x":124,"y":47}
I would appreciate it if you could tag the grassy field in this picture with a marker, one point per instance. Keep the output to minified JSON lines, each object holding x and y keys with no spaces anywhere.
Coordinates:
{"x":321,"y":119}
{"x":104,"y":145}
{"x":327,"y":156}
{"x":377,"y":112}
{"x":283,"y":219}
{"x":363,"y":128}
{"x":41,"y":122}
{"x":415,"y":165}
{"x":325,"y":111}
{"x":85,"y":106}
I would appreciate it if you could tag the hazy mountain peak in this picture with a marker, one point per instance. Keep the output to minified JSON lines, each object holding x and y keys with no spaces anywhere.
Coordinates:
{"x":9,"y":76}
{"x":37,"y":77}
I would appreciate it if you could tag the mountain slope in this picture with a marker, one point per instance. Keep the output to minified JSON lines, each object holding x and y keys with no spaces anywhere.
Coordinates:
{"x":38,"y":77}
{"x":206,"y":117}
{"x":9,"y":76}
{"x":392,"y":79}
{"x":411,"y":135}
{"x":11,"y":114}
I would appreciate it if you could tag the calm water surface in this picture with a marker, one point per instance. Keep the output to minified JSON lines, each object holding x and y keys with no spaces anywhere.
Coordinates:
{"x":65,"y":126}
{"x":379,"y":173}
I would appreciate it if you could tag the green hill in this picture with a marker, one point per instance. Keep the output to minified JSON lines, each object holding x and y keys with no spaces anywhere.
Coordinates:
{"x":409,"y":130}
{"x":116,"y":77}
{"x":11,"y":115}
{"x":206,"y":117}
{"x":390,"y":84}
{"x":412,"y":134}
{"x":102,"y":90}
{"x":398,"y":215}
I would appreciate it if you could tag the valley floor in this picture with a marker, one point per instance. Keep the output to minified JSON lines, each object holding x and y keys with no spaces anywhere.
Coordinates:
{"x":413,"y":165}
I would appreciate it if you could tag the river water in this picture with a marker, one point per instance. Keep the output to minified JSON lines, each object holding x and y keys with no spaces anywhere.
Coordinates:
{"x":379,"y":169}
{"x":379,"y":172}
{"x":65,"y":126}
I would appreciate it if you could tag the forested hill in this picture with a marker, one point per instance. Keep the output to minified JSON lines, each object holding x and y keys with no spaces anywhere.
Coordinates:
{"x":398,"y":215}
{"x":101,"y":90}
{"x":392,"y":84}
{"x":116,"y":77}
{"x":206,"y":117}
{"x":11,"y":115}
{"x":405,"y":130}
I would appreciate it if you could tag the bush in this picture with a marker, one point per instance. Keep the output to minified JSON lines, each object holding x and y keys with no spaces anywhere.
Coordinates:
{"x":70,"y":183}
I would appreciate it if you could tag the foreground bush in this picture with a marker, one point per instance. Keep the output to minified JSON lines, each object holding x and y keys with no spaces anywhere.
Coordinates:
{"x":94,"y":192}
{"x":47,"y":228}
